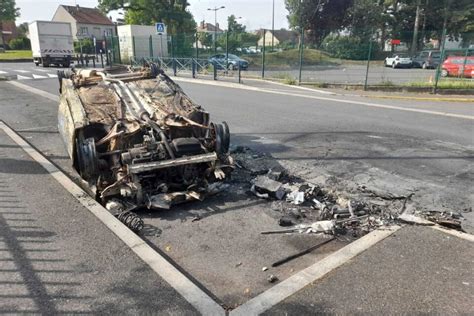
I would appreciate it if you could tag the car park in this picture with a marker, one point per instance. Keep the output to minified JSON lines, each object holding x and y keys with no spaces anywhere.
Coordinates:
{"x":230,"y":61}
{"x":427,"y":59}
{"x":398,"y":61}
{"x":456,"y":66}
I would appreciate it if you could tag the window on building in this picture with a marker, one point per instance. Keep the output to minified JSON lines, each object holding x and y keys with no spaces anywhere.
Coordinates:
{"x":108,"y":32}
{"x":84,"y":30}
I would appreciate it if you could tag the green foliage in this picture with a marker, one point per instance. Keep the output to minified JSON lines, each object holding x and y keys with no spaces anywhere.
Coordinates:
{"x":174,"y":13}
{"x":320,"y":17}
{"x":205,"y":39}
{"x":20,"y":43}
{"x":8,"y":10}
{"x":348,"y":47}
{"x":384,"y":19}
{"x":87,"y":45}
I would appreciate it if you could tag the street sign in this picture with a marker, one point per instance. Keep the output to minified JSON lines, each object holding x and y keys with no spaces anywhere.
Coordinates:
{"x":160,"y":28}
{"x":95,"y":41}
{"x":396,"y":42}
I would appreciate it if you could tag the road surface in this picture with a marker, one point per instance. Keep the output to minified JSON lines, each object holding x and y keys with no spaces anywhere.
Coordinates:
{"x":402,"y":146}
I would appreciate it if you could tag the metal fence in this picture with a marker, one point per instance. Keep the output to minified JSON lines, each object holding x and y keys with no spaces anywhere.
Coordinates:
{"x":339,"y":60}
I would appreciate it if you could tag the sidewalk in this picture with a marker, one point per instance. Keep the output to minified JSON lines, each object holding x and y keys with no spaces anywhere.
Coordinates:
{"x":56,"y":257}
{"x":417,"y":270}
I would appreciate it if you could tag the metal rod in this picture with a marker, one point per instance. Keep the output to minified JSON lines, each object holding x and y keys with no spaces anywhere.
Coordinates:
{"x":368,"y":65}
{"x":299,"y":254}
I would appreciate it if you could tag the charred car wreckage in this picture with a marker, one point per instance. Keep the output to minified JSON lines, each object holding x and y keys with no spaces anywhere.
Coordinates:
{"x":139,"y":141}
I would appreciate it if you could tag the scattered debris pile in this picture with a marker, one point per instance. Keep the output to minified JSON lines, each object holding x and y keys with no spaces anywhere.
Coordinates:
{"x":325,"y":209}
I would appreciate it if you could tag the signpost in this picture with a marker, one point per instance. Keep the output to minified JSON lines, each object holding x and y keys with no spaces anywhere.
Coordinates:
{"x":160,"y":28}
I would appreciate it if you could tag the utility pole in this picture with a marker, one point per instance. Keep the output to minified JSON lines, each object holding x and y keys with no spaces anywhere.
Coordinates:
{"x":414,"y":44}
{"x":215,"y":9}
{"x":273,"y":26}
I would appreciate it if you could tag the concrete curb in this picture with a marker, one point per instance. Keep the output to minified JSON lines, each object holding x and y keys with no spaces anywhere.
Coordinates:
{"x":21,"y":60}
{"x":440,"y":99}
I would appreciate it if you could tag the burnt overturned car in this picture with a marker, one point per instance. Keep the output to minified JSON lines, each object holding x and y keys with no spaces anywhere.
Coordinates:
{"x":138,"y":140}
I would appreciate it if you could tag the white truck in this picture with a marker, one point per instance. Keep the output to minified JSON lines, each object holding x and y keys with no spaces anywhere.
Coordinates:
{"x":51,"y":43}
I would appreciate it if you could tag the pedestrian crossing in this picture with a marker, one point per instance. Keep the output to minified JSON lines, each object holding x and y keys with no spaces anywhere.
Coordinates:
{"x":28,"y":74}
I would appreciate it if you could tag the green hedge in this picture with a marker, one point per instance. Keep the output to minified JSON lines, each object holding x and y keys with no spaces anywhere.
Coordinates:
{"x":20,"y":43}
{"x":349,"y":47}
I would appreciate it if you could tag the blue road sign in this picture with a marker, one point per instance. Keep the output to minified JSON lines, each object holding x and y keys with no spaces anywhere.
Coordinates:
{"x":160,"y":27}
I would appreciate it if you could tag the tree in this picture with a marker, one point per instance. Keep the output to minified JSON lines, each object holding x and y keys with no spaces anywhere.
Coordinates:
{"x":8,"y":12}
{"x":319,"y":17}
{"x":234,"y":26}
{"x":174,"y":13}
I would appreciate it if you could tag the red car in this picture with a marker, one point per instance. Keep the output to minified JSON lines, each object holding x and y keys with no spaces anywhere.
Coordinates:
{"x":458,"y":66}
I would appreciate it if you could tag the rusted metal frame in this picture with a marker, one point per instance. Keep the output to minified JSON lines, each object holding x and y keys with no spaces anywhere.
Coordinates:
{"x":156,"y":165}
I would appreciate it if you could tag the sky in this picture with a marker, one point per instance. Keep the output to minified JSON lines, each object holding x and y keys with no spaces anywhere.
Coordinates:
{"x":255,"y":14}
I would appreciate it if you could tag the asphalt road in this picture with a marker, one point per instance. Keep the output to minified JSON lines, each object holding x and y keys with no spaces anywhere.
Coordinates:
{"x":343,"y":74}
{"x":349,"y":74}
{"x":315,"y":134}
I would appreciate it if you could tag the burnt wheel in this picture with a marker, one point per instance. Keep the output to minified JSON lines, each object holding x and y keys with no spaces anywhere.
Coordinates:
{"x":87,"y":162}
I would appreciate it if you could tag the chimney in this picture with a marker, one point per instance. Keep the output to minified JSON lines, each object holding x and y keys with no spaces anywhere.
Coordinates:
{"x":203,"y":24}
{"x":77,"y":7}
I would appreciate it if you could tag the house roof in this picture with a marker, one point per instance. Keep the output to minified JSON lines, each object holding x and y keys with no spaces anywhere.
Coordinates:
{"x":285,"y":36}
{"x":87,"y":15}
{"x":208,"y":27}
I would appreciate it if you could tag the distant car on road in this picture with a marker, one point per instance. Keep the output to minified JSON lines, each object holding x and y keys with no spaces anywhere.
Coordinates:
{"x":398,"y":61}
{"x":427,"y":59}
{"x":232,"y":62}
{"x":455,"y":66}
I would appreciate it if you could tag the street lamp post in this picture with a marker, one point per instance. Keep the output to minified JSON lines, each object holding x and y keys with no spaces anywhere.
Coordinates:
{"x":273,"y":26}
{"x":215,"y":9}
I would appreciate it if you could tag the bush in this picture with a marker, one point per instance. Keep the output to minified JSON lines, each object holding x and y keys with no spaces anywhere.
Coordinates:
{"x":20,"y":43}
{"x":87,"y":46}
{"x":349,"y":47}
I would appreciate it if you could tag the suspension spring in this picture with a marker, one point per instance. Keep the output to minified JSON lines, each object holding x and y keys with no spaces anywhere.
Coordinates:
{"x":131,"y":220}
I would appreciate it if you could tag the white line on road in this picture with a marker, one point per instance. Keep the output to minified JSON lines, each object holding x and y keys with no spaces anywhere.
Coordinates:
{"x":193,"y":294}
{"x":39,"y":77}
{"x":298,"y":281}
{"x":456,"y":233}
{"x":34,"y":90}
{"x":20,"y":77}
{"x":374,"y":105}
{"x":22,"y":71}
{"x":3,"y":72}
{"x":52,"y":75}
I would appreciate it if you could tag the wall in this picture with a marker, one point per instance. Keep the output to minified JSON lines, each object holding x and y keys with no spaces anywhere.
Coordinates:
{"x":138,"y":37}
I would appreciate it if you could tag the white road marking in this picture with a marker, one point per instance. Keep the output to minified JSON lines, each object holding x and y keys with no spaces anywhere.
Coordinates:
{"x":34,"y":90}
{"x":453,"y":232}
{"x":23,"y":71}
{"x":193,"y":294}
{"x":298,"y":281}
{"x":368,"y":104}
{"x":294,"y":87}
{"x":52,"y":75}
{"x":39,"y":77}
{"x":40,"y":70}
{"x":375,"y":136}
{"x":20,"y":77}
{"x":3,"y":72}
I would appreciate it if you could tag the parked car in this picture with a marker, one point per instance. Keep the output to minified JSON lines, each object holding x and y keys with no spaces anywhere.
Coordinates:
{"x":455,"y":66}
{"x":398,"y":61}
{"x":427,"y":59}
{"x":232,"y":62}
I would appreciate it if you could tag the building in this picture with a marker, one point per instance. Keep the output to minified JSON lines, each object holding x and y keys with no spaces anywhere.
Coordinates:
{"x":279,"y":37}
{"x":85,"y":22}
{"x":209,"y":28}
{"x":141,"y":41}
{"x":9,"y":31}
